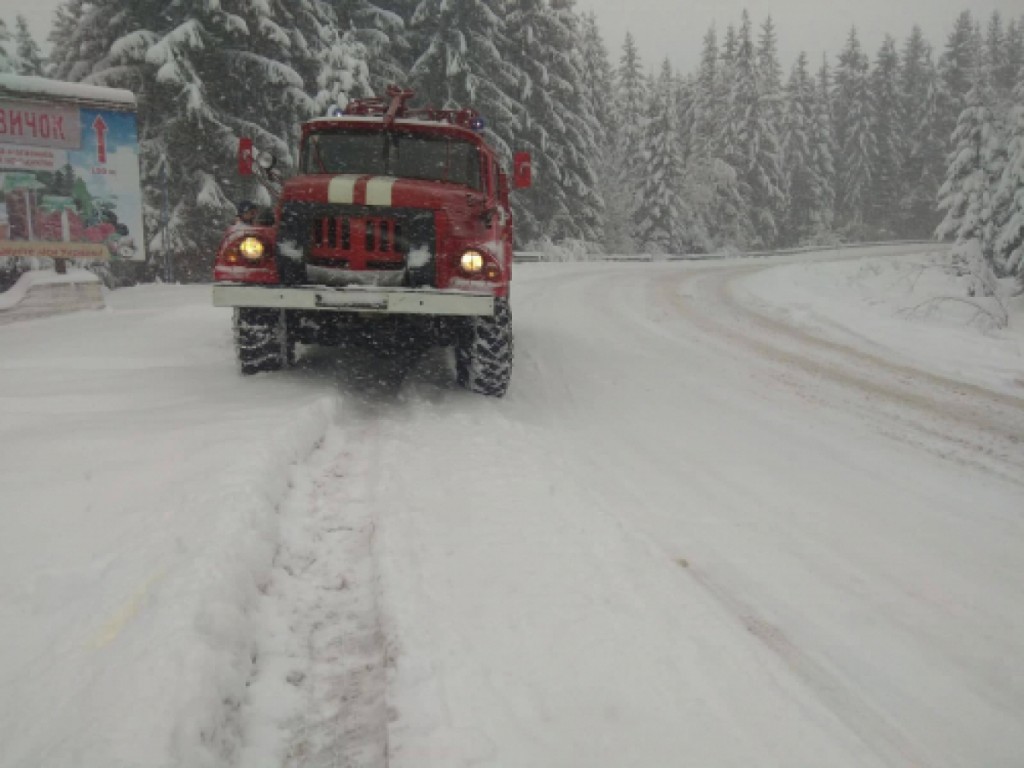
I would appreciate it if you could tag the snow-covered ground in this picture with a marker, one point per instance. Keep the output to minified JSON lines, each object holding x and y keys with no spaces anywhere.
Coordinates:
{"x":741,"y":513}
{"x":913,"y":308}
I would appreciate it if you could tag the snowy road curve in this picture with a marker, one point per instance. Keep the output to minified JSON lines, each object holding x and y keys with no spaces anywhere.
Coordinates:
{"x":694,"y":533}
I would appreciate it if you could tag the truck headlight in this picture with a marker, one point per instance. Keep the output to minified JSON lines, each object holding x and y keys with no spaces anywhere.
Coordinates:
{"x":251,"y":248}
{"x":472,"y":262}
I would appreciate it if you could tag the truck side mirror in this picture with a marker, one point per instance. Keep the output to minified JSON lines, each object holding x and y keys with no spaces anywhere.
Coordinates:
{"x":267,"y":161}
{"x":522,"y":175}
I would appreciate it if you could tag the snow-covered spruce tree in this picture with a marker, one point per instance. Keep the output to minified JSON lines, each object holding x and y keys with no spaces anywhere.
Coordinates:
{"x":768,"y":68}
{"x":770,"y":78}
{"x":686,"y":93}
{"x":855,"y":137}
{"x":716,"y":191}
{"x":730,"y":44}
{"x":576,"y":132}
{"x":62,"y":29}
{"x":886,"y":190}
{"x":697,"y":188}
{"x":84,"y":31}
{"x":631,"y":100}
{"x":753,"y":143}
{"x":706,"y":110}
{"x":598,"y":80}
{"x":559,"y":126}
{"x":8,"y":51}
{"x":804,"y":217}
{"x":995,"y":50}
{"x":1013,"y":63}
{"x":30,"y":57}
{"x":1008,"y":254}
{"x":823,"y":153}
{"x":956,"y":64}
{"x":923,"y":164}
{"x":660,"y":218}
{"x":967,"y":196}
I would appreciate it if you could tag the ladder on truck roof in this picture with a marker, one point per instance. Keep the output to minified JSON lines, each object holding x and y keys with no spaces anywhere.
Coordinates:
{"x":394,"y":107}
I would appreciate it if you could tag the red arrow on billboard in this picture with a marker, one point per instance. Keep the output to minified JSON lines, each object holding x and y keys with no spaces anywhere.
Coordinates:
{"x":100,"y":126}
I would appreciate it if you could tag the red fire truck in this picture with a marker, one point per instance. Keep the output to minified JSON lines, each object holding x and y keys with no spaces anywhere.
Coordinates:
{"x":396,"y":229}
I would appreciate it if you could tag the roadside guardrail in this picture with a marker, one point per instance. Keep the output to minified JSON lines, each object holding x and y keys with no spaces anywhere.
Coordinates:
{"x":526,"y":257}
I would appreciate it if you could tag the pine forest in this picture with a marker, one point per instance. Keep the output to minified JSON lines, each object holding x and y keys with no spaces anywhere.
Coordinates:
{"x":916,"y":140}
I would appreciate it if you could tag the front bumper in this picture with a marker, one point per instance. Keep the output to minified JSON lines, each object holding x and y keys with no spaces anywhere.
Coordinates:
{"x":393,"y":301}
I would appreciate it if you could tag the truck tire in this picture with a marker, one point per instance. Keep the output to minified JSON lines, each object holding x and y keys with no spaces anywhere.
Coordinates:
{"x":262,"y":340}
{"x":483,"y":354}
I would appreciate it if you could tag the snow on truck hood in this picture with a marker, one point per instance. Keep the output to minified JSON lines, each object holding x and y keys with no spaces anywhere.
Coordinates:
{"x":383,"y":191}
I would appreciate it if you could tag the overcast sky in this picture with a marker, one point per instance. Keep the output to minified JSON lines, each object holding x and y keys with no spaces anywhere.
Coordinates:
{"x":674,"y":28}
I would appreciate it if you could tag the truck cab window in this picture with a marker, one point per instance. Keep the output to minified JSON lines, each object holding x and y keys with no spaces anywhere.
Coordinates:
{"x":407,"y":155}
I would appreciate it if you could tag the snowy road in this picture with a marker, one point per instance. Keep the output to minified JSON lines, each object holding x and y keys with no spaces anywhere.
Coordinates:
{"x":694,"y":533}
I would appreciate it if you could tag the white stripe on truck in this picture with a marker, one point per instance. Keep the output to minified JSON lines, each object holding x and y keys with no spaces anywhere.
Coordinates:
{"x":342,"y":189}
{"x":378,"y":190}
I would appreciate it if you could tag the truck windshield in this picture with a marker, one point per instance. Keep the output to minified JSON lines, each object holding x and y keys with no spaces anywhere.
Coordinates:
{"x":393,"y":153}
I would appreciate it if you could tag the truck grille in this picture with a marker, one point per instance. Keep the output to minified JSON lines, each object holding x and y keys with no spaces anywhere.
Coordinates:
{"x":357,"y":239}
{"x":359,"y":243}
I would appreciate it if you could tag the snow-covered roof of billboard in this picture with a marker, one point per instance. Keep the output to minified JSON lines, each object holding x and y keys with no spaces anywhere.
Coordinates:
{"x":42,"y":87}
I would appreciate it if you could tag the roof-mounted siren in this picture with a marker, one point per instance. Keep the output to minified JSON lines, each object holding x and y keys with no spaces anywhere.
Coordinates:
{"x":522,"y":170}
{"x":337,"y":108}
{"x":465,"y":118}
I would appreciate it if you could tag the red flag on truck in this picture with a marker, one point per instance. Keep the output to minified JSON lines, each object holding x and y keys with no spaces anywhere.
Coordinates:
{"x":245,"y":156}
{"x":522,"y":175}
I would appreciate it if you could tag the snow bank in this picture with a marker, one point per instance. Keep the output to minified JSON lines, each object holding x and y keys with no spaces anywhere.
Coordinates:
{"x":28,"y":280}
{"x":911,"y":306}
{"x":139,"y":478}
{"x":39,"y":293}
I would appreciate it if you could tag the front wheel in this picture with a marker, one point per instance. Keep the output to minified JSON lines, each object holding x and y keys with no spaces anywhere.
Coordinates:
{"x":262,"y":341}
{"x":483,"y":353}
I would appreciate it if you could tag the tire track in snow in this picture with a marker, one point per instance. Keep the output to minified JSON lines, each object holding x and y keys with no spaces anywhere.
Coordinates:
{"x":318,"y":696}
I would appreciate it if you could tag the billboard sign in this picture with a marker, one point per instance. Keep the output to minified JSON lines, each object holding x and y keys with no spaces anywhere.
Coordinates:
{"x":69,"y":181}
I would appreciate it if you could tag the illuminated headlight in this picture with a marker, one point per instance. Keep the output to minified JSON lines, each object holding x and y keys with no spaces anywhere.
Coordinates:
{"x":472,"y":262}
{"x":251,"y":248}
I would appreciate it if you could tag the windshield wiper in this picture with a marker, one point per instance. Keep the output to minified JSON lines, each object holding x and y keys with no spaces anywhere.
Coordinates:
{"x":389,"y":137}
